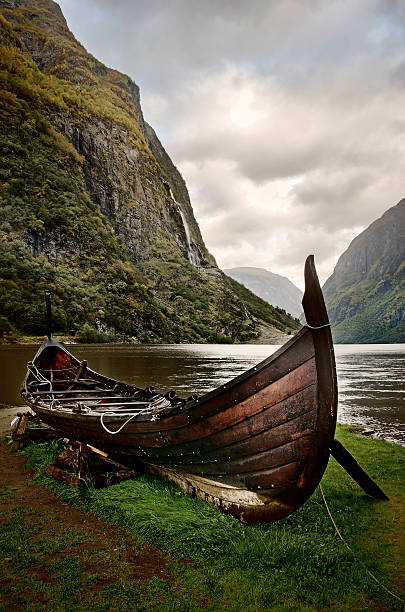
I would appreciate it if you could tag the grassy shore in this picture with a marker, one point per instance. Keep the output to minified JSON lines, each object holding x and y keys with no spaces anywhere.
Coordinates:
{"x":27,"y":339}
{"x":298,"y":563}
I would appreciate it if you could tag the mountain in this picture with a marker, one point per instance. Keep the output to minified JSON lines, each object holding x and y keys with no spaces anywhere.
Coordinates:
{"x":365,"y":295}
{"x":275,"y":289}
{"x":93,"y":208}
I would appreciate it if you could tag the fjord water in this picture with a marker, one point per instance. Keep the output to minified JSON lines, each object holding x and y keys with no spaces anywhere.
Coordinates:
{"x":371,"y":378}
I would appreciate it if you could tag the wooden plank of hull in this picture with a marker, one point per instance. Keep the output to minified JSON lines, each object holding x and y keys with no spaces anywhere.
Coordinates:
{"x":270,"y":418}
{"x":266,"y":447}
{"x":265,"y":471}
{"x":257,"y":433}
{"x":193,"y":432}
{"x":278,"y":366}
{"x":291,"y":383}
{"x":280,"y":476}
{"x":239,"y":389}
{"x":264,"y":467}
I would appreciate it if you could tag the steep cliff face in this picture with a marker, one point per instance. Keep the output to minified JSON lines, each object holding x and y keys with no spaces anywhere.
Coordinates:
{"x":91,"y":204}
{"x":275,"y":289}
{"x":365,"y":295}
{"x":121,"y":172}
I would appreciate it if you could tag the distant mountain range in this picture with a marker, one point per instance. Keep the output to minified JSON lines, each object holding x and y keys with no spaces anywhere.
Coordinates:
{"x":365,"y":296}
{"x":275,"y":289}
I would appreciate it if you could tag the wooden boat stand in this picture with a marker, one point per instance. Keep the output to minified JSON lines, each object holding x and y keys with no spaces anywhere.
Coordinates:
{"x":23,"y":433}
{"x":76,"y":466}
{"x":79,"y":463}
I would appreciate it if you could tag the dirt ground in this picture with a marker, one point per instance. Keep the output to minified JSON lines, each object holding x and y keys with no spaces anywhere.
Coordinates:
{"x":99,"y":540}
{"x":147,"y":562}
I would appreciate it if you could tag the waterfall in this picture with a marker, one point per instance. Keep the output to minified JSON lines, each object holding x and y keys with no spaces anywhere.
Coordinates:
{"x":192,"y":257}
{"x":190,"y":253}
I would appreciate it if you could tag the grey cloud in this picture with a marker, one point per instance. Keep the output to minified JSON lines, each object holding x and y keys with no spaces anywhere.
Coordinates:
{"x":160,"y":43}
{"x":298,"y":246}
{"x":333,"y":189}
{"x":246,"y":223}
{"x":257,"y":158}
{"x":270,"y":152}
{"x":218,"y":196}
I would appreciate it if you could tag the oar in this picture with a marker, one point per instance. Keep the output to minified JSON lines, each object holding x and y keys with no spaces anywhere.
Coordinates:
{"x":349,"y":463}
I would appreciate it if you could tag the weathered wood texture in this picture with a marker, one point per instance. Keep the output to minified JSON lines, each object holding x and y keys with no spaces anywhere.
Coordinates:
{"x":74,"y":467}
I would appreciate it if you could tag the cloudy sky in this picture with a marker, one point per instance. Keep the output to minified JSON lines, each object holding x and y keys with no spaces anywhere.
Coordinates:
{"x":285,"y":117}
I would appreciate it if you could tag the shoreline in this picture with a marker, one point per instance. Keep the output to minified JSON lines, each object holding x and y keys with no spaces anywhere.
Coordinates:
{"x":271,"y":339}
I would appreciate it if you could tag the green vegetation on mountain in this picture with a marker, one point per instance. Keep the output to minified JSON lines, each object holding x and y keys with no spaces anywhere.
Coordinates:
{"x":372,"y":314}
{"x":365,"y":296}
{"x":69,"y":78}
{"x":87,"y":211}
{"x":42,"y":190}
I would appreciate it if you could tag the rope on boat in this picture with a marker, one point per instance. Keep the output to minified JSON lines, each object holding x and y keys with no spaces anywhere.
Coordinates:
{"x":109,"y":413}
{"x":34,"y":370}
{"x":319,"y":327}
{"x":40,"y":377}
{"x":353,"y":553}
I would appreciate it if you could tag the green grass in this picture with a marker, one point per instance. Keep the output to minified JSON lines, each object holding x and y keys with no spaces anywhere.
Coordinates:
{"x":298,"y":563}
{"x":44,"y":568}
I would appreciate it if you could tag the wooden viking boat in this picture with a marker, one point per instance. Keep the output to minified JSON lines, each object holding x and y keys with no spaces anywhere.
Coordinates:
{"x":256,"y":447}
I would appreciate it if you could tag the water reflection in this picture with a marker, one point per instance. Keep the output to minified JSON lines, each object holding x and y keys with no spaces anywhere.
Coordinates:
{"x":371,"y":377}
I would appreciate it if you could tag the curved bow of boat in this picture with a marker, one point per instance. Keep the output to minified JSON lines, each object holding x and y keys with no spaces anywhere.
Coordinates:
{"x":318,"y":323}
{"x":319,"y":327}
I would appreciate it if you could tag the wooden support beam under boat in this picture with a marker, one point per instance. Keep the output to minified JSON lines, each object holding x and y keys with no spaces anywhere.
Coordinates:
{"x":74,"y":466}
{"x":349,"y":463}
